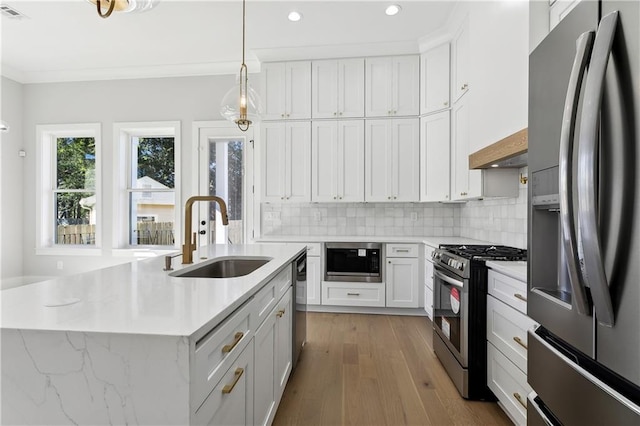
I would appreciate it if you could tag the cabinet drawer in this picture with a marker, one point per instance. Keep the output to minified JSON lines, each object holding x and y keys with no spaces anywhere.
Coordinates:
{"x":507,"y":330}
{"x":402,"y":250}
{"x":216,"y":351}
{"x":511,"y":291}
{"x":231,"y":400}
{"x":314,"y":249}
{"x":353,"y":294}
{"x":282,"y":281}
{"x":508,"y":383}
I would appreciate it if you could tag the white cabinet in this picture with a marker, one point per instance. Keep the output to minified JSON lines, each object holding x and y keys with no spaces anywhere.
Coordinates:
{"x":314,"y":281}
{"x":392,"y":160}
{"x":284,"y":348}
{"x":402,"y":276}
{"x":435,"y":163}
{"x":509,"y":385}
{"x":286,"y":90}
{"x":337,"y":161}
{"x":460,"y":62}
{"x":465,"y":183}
{"x":337,"y":88}
{"x":353,"y":294}
{"x":392,"y":86}
{"x":286,"y":157}
{"x":434,"y":79}
{"x":428,"y":281}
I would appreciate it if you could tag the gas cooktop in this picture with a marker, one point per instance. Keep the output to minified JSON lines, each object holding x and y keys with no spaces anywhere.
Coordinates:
{"x":485,"y":252}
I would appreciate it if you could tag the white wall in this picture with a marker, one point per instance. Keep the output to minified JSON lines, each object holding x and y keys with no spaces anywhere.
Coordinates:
{"x":12,"y":223}
{"x":186,"y":99}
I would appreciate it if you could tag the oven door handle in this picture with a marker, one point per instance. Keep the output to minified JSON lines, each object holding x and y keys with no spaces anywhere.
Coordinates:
{"x":448,"y":279}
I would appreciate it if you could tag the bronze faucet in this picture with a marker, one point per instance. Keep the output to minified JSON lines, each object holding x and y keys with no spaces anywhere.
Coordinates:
{"x":190,"y":245}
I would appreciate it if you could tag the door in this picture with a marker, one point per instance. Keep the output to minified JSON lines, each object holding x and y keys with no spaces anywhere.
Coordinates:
{"x":226,"y":170}
{"x":351,"y":88}
{"x":378,"y":159}
{"x":450,"y":308}
{"x":298,"y":162}
{"x":324,"y":158}
{"x":350,"y":161}
{"x":460,"y":150}
{"x":378,"y":92}
{"x":434,"y":80}
{"x":402,"y":283}
{"x":406,"y":85}
{"x":406,"y":160}
{"x":324,"y":79}
{"x":435,"y":142}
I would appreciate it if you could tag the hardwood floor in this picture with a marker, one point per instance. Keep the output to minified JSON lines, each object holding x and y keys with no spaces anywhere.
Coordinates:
{"x":375,"y":370}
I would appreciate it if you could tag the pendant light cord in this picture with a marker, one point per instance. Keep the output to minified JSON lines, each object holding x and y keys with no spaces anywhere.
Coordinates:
{"x":243,"y":25}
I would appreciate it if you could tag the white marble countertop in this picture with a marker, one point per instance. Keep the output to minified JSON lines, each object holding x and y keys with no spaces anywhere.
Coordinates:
{"x":514,"y":269}
{"x":431,"y":241}
{"x":141,"y":298}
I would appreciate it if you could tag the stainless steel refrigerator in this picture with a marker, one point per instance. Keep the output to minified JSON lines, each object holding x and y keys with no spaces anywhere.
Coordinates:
{"x":584,"y":218}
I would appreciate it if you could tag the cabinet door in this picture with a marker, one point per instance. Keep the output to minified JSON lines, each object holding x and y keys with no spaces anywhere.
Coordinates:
{"x":314,"y":280}
{"x":460,"y":150}
{"x":378,"y":87}
{"x":324,"y":80}
{"x":460,"y":63}
{"x":284,"y":344}
{"x":264,"y":373}
{"x":405,"y":161}
{"x":231,"y":401}
{"x":324,"y":161}
{"x":351,"y":88}
{"x":428,"y":288}
{"x":434,"y":79}
{"x":298,"y":90}
{"x":298,"y":162}
{"x":435,"y":167}
{"x":273,"y":149}
{"x":406,"y":85}
{"x":402,"y":283}
{"x":273,"y":91}
{"x":350,"y":164}
{"x":378,"y":157}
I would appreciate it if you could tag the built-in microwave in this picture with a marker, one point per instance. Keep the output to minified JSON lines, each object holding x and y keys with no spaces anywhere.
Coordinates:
{"x":353,"y":262}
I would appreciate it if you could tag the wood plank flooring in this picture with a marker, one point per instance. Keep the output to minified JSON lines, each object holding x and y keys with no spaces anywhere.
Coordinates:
{"x":375,"y":370}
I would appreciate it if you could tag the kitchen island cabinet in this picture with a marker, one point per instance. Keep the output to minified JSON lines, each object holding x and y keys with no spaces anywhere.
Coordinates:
{"x":131,"y":344}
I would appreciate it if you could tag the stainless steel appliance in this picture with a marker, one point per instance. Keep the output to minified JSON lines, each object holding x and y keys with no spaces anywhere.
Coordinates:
{"x":299,"y":276}
{"x":584,"y":218}
{"x":353,"y":262}
{"x":460,"y":313}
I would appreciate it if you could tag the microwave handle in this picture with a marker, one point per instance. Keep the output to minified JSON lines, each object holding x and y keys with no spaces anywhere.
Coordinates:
{"x":448,"y":279}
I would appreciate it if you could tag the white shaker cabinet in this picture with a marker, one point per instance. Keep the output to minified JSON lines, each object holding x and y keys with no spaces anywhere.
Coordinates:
{"x":337,"y":161}
{"x":392,"y":86}
{"x":435,"y":164}
{"x":338,"y":88}
{"x":392,"y":160}
{"x":286,"y":156}
{"x":434,"y":79}
{"x":402,"y":283}
{"x":314,"y":280}
{"x":460,"y":62}
{"x":465,"y":183}
{"x":286,"y":90}
{"x":428,"y":281}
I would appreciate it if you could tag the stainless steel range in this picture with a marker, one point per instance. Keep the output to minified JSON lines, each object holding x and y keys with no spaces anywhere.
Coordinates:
{"x":460,"y":313}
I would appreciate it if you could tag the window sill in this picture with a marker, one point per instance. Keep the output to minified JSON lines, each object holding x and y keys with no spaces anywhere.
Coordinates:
{"x":69,"y":251}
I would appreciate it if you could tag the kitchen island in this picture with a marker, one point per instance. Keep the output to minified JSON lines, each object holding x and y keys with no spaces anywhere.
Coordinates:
{"x":133,"y":344}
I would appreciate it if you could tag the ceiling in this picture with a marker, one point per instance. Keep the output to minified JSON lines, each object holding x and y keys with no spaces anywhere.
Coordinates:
{"x":68,"y":41}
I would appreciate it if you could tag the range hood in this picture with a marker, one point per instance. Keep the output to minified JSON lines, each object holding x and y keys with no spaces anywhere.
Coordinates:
{"x":510,"y":152}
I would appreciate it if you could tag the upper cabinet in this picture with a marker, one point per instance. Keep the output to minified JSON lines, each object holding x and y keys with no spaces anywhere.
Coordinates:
{"x":392,"y":86}
{"x":286,"y":90}
{"x":460,"y":63}
{"x":434,"y":157}
{"x":434,"y":79}
{"x":338,"y":88}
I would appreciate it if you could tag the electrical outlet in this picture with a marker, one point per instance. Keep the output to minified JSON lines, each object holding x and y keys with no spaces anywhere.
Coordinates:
{"x":60,"y":265}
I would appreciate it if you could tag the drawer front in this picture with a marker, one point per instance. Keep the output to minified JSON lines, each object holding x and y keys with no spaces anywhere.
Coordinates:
{"x":507,"y":330}
{"x":231,"y":400}
{"x":402,"y":250}
{"x":353,"y":294}
{"x":511,"y":291}
{"x":508,"y":383}
{"x":314,"y":249}
{"x":265,"y":300}
{"x":282,"y":281}
{"x":216,"y":351}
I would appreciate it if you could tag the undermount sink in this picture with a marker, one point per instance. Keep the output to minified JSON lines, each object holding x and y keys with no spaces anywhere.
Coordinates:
{"x":228,"y":267}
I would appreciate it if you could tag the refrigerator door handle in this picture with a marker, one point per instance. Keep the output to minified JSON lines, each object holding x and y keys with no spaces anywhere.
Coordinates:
{"x":565,"y":173}
{"x":587,"y":169}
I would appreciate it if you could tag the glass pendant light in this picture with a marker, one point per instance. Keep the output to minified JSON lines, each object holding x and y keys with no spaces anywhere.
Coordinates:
{"x":110,"y":6}
{"x":242,"y":104}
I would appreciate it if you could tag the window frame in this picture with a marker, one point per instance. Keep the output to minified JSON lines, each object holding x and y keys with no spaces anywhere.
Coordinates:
{"x":123,"y":133}
{"x":46,"y":187}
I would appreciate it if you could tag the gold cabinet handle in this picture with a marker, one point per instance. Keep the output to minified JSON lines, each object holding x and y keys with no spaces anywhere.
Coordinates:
{"x":519,"y":341}
{"x":280,"y":313}
{"x":519,"y":399}
{"x":519,"y":296}
{"x":237,"y":375}
{"x":236,"y":339}
{"x":355,"y":294}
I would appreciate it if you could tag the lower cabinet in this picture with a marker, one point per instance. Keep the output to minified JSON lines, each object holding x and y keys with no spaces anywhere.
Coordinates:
{"x":402,"y":283}
{"x":509,"y":384}
{"x":314,"y":281}
{"x":428,"y":287}
{"x":353,"y":294}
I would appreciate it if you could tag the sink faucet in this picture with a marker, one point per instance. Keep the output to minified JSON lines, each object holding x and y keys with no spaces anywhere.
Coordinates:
{"x":190,"y":244}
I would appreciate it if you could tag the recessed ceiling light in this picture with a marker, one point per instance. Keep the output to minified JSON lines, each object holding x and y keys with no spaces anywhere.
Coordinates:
{"x":392,"y":9}
{"x":295,"y":16}
{"x":495,"y":165}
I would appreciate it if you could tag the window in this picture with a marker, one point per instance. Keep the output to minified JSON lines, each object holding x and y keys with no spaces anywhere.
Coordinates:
{"x":68,"y":181}
{"x":147,"y":154}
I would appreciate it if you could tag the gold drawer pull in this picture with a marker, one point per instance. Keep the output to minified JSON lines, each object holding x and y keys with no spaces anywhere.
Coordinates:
{"x":519,"y":399}
{"x":519,"y":296}
{"x":353,"y":294}
{"x":520,"y":342}
{"x":236,"y":339}
{"x":280,"y":313}
{"x":229,"y":388}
